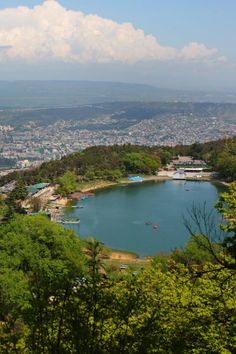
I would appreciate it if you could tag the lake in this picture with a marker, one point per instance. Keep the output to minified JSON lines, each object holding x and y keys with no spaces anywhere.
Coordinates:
{"x":117,"y":216}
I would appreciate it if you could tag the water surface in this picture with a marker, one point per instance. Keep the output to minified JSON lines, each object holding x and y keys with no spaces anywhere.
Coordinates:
{"x":117,"y":216}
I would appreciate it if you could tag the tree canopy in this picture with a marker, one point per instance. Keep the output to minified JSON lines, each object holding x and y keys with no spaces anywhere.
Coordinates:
{"x":57,"y":296}
{"x":124,"y":159}
{"x":40,"y":263}
{"x":67,"y":183}
{"x":227,"y":207}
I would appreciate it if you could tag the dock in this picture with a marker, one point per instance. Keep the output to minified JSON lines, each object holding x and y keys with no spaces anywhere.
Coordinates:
{"x":65,"y":221}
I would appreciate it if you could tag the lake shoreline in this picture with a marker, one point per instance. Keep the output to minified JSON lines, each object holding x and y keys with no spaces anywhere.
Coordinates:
{"x":121,"y":254}
{"x":100,"y":185}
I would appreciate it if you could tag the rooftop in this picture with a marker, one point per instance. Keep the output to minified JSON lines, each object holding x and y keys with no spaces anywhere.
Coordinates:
{"x":37,"y":187}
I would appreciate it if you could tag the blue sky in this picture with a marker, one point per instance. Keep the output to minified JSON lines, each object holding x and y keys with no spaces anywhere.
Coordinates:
{"x":192,"y":43}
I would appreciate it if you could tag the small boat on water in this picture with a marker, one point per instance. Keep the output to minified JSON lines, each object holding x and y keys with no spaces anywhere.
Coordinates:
{"x":154,"y":226}
{"x":85,"y":197}
{"x":90,"y":194}
{"x":179,"y":175}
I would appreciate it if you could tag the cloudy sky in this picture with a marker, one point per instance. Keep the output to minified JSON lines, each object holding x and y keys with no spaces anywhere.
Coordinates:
{"x":167,"y":43}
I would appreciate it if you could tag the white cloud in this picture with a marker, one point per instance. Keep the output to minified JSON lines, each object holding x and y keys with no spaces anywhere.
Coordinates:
{"x":51,"y":32}
{"x":197,"y":51}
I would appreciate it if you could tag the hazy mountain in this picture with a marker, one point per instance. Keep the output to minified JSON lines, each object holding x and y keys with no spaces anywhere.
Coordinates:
{"x":121,"y":114}
{"x":74,"y":93}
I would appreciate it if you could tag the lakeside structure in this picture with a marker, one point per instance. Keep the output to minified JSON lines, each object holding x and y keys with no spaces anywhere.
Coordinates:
{"x":180,"y":174}
{"x":189,"y":175}
{"x":186,"y":167}
{"x":188,"y":162}
{"x":135,"y":178}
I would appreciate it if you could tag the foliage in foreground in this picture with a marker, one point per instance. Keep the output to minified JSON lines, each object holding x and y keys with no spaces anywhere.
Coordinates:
{"x":227,"y":207}
{"x":54,"y":300}
{"x":55,"y":297}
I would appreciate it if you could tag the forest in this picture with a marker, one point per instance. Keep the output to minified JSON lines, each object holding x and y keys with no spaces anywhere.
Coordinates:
{"x":113,"y":162}
{"x":58,"y":294}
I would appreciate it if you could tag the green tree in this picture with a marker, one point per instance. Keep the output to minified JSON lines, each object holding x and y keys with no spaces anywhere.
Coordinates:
{"x":90,"y":175}
{"x":226,"y":165}
{"x":226,"y":161}
{"x":19,"y":192}
{"x":50,"y":303}
{"x":227,"y":207}
{"x":3,"y":209}
{"x":113,"y":175}
{"x":170,"y":312}
{"x":220,"y":241}
{"x":67,"y":183}
{"x":15,"y":197}
{"x":40,"y":263}
{"x":92,"y":305}
{"x":197,"y":251}
{"x":36,"y":204}
{"x":140,"y":163}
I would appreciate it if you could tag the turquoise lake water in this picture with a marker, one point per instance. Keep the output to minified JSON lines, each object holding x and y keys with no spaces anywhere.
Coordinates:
{"x":117,"y":216}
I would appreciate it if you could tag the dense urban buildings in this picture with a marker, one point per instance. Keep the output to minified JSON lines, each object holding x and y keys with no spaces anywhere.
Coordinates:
{"x":34,"y":142}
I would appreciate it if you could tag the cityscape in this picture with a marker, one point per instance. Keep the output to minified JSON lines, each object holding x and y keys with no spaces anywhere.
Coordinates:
{"x":33,"y":142}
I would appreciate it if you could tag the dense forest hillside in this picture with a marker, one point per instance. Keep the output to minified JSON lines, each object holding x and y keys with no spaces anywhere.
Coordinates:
{"x":112,"y":162}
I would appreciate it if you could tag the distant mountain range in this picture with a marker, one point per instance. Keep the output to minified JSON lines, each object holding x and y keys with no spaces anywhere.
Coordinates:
{"x":46,"y":94}
{"x":121,"y":114}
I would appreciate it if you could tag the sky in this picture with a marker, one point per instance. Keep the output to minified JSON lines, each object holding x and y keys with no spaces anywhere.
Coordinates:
{"x":180,"y":44}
